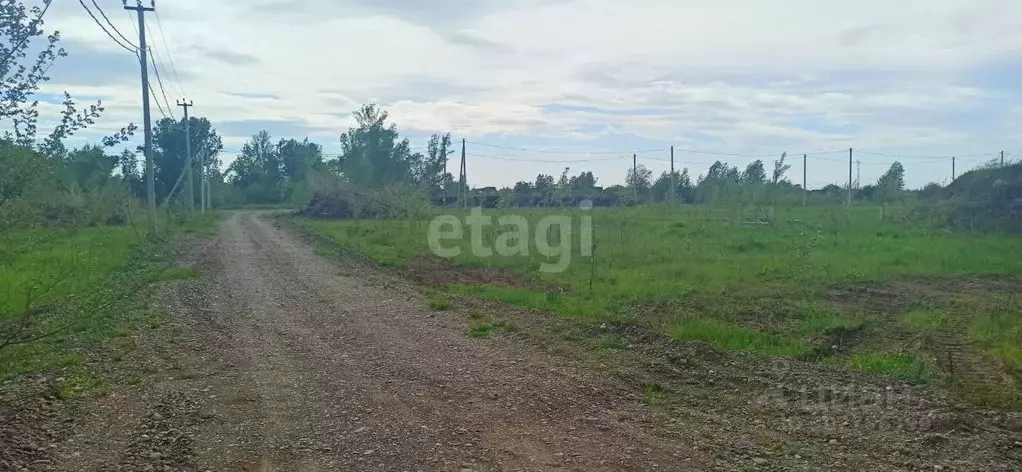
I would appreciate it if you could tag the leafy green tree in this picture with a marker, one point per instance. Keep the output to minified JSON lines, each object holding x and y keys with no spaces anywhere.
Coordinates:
{"x":434,"y":166}
{"x":298,"y":159}
{"x":170,"y":152}
{"x":780,"y":168}
{"x":131,"y":174}
{"x":891,"y":185}
{"x":523,"y":187}
{"x":88,"y":167}
{"x":372,"y":153}
{"x":639,"y":179}
{"x":544,"y":183}
{"x":23,"y":169}
{"x":583,"y":181}
{"x":683,"y":190}
{"x":755,"y":173}
{"x":258,"y":172}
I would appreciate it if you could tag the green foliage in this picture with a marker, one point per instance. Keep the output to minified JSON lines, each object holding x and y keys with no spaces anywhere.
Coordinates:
{"x":481,"y":330}
{"x":170,"y":152}
{"x":740,"y":278}
{"x":372,"y":153}
{"x":639,"y":179}
{"x":986,"y":199}
{"x":900,"y":366}
{"x":891,"y":185}
{"x":67,"y":297}
{"x":440,"y":302}
{"x":732,"y":337}
{"x":755,"y":174}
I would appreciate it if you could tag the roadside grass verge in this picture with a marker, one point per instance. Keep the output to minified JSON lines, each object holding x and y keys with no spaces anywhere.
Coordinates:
{"x":748,"y":279}
{"x":71,"y":295}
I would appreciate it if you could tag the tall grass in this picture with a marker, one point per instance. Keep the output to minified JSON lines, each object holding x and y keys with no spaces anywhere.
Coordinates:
{"x":750,"y":279}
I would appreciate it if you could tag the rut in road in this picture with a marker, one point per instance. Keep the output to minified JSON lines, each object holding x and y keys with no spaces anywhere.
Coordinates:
{"x":306,"y":364}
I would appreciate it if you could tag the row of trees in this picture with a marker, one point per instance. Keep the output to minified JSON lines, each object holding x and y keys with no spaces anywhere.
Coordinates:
{"x":721,"y":183}
{"x":373,"y":155}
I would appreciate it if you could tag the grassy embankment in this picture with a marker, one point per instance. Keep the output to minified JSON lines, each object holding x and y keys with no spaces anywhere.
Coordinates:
{"x":78,"y":287}
{"x":897,"y":299}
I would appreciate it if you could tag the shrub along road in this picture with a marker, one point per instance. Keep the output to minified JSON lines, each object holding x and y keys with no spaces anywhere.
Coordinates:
{"x":289,"y":361}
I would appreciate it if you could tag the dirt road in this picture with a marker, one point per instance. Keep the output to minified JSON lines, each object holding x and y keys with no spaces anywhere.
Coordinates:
{"x":279,"y":359}
{"x":292,"y":362}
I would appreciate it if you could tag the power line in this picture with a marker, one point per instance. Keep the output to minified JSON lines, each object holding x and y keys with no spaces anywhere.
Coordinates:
{"x":909,"y":156}
{"x":156,"y":98}
{"x":101,"y":26}
{"x":515,"y":159}
{"x":719,"y":153}
{"x":162,"y":90}
{"x":159,"y":62}
{"x":163,"y":36}
{"x":101,"y":12}
{"x":560,"y":151}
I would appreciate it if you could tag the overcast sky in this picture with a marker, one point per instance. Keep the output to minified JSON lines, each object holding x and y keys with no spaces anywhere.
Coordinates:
{"x":607,"y":77}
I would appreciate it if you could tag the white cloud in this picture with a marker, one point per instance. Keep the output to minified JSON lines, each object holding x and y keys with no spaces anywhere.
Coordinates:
{"x":724,"y":74}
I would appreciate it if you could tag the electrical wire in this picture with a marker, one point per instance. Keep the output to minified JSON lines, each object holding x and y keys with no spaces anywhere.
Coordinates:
{"x":514,"y":159}
{"x":560,"y":151}
{"x":159,"y":59}
{"x":156,"y":99}
{"x":111,"y":24}
{"x":162,"y":90}
{"x":101,"y":26}
{"x":908,"y":156}
{"x":166,"y":47}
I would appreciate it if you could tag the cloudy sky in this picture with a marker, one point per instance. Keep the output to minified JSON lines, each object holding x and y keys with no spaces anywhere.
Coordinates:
{"x":536,"y":86}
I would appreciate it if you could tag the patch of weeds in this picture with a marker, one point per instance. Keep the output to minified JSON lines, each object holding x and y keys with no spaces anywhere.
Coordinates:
{"x":508,"y":326}
{"x":78,"y":384}
{"x":899,"y":366}
{"x":476,"y":315}
{"x":440,"y":302}
{"x":481,"y":330}
{"x":732,"y":337}
{"x":925,"y":319}
{"x":571,"y":333}
{"x":178,"y":273}
{"x":654,"y":394}
{"x":71,"y":360}
{"x":610,"y":341}
{"x":996,"y":326}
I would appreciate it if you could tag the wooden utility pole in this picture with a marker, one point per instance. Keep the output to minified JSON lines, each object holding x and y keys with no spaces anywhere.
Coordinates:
{"x":635,"y":181}
{"x":463,"y":178}
{"x":188,"y":156}
{"x":1002,"y":158}
{"x":805,"y":173}
{"x":443,"y":176}
{"x":953,"y":168}
{"x":150,"y":172}
{"x":849,"y":176}
{"x":673,"y":194}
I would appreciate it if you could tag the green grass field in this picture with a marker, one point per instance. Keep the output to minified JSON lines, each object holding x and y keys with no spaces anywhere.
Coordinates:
{"x":78,"y":286}
{"x":786,"y":282}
